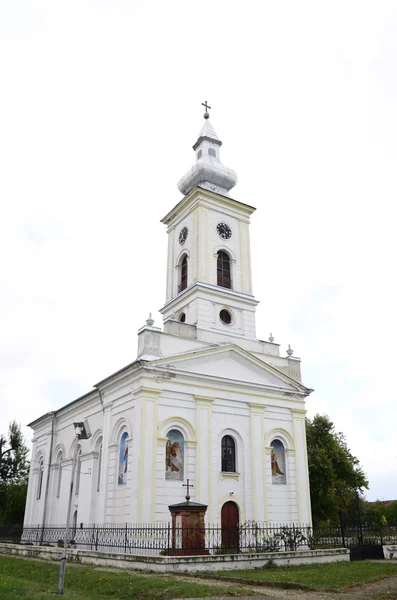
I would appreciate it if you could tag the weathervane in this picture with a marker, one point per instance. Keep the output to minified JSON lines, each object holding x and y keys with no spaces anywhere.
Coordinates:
{"x":206,"y":114}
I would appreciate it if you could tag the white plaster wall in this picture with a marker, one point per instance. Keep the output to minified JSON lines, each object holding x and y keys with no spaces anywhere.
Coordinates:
{"x":147,"y":494}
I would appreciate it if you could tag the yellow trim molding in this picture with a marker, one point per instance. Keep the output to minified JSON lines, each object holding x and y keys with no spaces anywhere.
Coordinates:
{"x":175,"y":420}
{"x":282,"y":433}
{"x":225,"y":475}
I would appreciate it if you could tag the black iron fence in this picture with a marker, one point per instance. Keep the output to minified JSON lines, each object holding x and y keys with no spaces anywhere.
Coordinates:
{"x":365,"y":538}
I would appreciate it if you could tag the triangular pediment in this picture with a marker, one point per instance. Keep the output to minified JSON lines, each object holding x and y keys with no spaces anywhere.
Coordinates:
{"x":231,"y":363}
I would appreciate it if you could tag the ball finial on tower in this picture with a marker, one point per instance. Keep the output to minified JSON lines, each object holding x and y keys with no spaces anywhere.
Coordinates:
{"x":206,"y":114}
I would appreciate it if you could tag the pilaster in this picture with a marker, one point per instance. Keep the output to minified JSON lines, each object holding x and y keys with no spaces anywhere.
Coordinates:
{"x":259,"y":495}
{"x":301,"y":465}
{"x":101,"y":515}
{"x":204,"y":452}
{"x":146,"y":509}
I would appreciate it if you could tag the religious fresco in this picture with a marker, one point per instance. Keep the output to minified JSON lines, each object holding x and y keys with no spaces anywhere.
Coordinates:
{"x":123,"y":460}
{"x":174,"y":455}
{"x":277,"y":458}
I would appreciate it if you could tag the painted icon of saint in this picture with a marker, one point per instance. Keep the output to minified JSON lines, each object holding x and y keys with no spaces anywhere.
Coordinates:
{"x":275,"y":468}
{"x":174,"y":455}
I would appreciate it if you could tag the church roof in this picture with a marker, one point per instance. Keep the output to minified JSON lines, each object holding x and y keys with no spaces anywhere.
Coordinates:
{"x":208,"y":133}
{"x":187,"y":505}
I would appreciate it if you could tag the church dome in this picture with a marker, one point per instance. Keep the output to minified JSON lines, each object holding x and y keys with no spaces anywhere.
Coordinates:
{"x":208,"y":172}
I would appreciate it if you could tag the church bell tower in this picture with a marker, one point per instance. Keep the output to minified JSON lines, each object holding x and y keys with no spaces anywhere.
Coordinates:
{"x":209,"y":282}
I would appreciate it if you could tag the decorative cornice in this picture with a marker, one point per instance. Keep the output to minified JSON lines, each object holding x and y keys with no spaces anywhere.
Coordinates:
{"x":147,"y":392}
{"x":203,"y":400}
{"x":298,"y":411}
{"x":256,"y":407}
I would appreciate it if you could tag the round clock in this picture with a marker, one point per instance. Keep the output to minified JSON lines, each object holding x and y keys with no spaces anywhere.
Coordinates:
{"x":224,"y":231}
{"x":183,"y":235}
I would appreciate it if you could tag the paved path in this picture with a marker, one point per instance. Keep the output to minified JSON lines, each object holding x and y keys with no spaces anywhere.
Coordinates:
{"x":385,"y":589}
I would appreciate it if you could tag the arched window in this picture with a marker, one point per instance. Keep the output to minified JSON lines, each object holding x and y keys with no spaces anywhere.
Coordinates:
{"x":182,"y":317}
{"x":78,"y":473}
{"x":199,"y":154}
{"x":183,"y":279}
{"x":174,"y":455}
{"x":123,"y":459}
{"x":98,"y":479}
{"x":223,"y":270}
{"x":277,"y":462}
{"x":59,"y":474}
{"x":228,"y":454}
{"x":40,"y":479}
{"x":211,"y":152}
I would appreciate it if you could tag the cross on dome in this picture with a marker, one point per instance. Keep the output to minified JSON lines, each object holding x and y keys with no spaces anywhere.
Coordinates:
{"x":206,"y":114}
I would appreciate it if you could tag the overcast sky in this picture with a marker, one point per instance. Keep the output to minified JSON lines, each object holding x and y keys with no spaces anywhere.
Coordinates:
{"x":100,"y":104}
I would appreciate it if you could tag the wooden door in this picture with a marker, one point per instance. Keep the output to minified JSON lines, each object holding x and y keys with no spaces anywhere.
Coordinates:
{"x":229,"y":523}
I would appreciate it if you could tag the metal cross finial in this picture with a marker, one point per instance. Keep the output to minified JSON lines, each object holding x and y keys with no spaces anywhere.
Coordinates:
{"x":206,"y":114}
{"x":187,"y":485}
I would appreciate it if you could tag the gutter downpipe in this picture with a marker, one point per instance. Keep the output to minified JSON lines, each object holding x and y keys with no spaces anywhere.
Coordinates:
{"x":100,"y":398}
{"x":47,"y":483}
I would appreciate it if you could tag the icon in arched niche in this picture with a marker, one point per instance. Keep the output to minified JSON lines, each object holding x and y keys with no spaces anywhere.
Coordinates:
{"x":277,"y":457}
{"x":174,"y":455}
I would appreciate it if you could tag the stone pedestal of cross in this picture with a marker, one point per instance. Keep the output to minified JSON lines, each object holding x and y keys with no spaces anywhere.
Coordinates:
{"x":188,"y":528}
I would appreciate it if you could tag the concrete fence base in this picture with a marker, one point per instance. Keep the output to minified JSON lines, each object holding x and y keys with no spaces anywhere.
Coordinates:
{"x":179,"y":564}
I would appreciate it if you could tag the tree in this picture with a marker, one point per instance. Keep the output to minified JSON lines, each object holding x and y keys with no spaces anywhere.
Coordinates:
{"x":14,"y":470}
{"x":336,"y":477}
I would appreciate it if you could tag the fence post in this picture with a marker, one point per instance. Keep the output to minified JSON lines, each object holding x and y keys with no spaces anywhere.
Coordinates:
{"x":125,"y":542}
{"x":169,"y":537}
{"x":380,"y":529}
{"x":93,"y":535}
{"x":342,"y":530}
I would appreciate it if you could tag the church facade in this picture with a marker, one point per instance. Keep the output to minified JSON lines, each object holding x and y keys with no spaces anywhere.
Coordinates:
{"x":205,"y":399}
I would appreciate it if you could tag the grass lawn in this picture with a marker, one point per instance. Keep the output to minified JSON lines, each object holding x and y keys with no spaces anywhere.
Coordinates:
{"x":35,"y":580}
{"x":334,"y":576}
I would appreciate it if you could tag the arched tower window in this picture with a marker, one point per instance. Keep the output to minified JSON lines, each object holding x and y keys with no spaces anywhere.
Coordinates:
{"x":277,"y":460}
{"x":223,"y":270}
{"x":40,"y":479}
{"x":211,"y":152}
{"x":174,"y":455}
{"x":123,"y":459}
{"x":183,"y":279}
{"x":228,"y":448}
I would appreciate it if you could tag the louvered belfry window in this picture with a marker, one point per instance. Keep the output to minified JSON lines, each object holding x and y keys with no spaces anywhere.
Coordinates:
{"x":223,"y":270}
{"x":183,"y":284}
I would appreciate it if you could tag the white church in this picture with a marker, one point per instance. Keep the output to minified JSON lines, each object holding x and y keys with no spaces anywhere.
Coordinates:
{"x":204,"y":400}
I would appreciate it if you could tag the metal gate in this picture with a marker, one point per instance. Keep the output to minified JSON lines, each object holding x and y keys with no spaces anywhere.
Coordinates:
{"x":363,"y":534}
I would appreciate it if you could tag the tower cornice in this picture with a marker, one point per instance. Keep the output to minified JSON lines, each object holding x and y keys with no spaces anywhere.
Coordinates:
{"x":204,"y":197}
{"x":207,"y":288}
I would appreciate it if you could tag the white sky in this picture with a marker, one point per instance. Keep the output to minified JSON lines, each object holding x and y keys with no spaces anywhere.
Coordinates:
{"x":100,"y":103}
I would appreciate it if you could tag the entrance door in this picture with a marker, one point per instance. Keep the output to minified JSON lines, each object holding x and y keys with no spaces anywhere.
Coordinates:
{"x":229,"y":523}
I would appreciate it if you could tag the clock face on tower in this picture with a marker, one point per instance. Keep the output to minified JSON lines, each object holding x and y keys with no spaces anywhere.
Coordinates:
{"x":224,"y":231}
{"x":183,"y":235}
